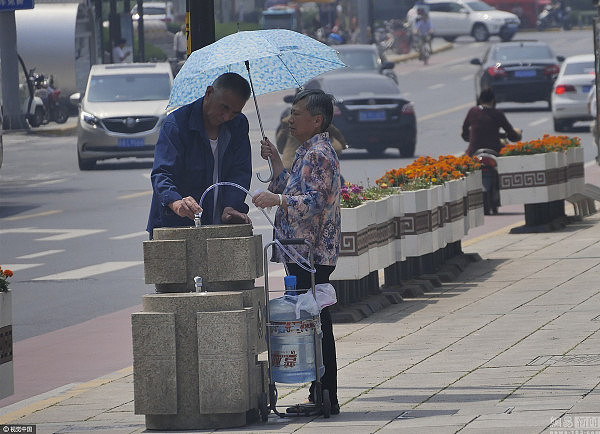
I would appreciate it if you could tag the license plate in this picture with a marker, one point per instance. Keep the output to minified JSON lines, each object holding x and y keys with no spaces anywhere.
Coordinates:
{"x":525,"y":73}
{"x":586,"y":89}
{"x":371,"y":115}
{"x":130,"y":142}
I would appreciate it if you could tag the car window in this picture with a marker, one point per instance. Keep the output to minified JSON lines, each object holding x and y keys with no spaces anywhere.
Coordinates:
{"x":455,"y":8}
{"x":525,"y":52}
{"x":344,"y":86}
{"x":154,"y":11}
{"x":129,"y":87}
{"x":439,"y":7}
{"x":480,"y":6}
{"x":579,"y":68}
{"x":360,"y":60}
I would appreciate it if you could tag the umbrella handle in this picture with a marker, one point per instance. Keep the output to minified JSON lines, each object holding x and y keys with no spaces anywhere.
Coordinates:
{"x":262,"y":131}
{"x":270,"y":177}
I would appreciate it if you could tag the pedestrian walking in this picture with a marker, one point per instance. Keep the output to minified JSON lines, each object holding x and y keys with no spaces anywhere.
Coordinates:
{"x":180,"y":43}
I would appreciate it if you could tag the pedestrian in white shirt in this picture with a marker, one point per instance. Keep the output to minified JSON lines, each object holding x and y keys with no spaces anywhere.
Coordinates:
{"x":119,"y":54}
{"x":180,"y":43}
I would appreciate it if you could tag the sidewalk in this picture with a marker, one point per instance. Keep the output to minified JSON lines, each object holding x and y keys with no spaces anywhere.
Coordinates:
{"x":510,"y":346}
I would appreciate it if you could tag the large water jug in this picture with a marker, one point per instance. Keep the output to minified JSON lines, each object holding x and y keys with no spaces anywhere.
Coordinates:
{"x":292,"y":342}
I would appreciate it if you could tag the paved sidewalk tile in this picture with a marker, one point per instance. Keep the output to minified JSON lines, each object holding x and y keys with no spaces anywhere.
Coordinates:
{"x":510,"y":346}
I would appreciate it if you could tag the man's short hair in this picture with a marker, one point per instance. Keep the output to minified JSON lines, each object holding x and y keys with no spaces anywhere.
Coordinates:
{"x":486,"y":96}
{"x":235,"y":83}
{"x":317,"y":103}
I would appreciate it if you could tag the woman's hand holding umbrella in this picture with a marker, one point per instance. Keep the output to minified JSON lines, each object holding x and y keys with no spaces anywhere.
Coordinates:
{"x":268,"y":150}
{"x":266,"y":199}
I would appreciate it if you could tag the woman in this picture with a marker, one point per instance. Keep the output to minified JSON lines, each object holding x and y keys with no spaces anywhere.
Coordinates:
{"x":308,"y":197}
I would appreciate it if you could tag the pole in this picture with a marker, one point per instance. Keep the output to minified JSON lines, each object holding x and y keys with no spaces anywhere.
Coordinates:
{"x":141,"y":39}
{"x":13,"y":116}
{"x":201,"y":23}
{"x":597,"y":82}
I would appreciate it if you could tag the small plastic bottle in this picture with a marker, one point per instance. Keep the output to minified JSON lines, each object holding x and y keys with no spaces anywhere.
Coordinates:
{"x":290,"y":285}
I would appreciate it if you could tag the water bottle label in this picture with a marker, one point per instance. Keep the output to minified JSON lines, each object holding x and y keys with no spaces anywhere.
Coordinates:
{"x":293,"y":327}
{"x":284,"y":359}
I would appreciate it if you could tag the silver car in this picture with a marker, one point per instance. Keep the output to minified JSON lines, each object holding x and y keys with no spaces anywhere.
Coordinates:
{"x":121,"y":112}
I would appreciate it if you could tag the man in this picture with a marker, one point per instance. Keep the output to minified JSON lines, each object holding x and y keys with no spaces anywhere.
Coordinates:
{"x":482,"y":124}
{"x":180,"y":43}
{"x":119,"y":54}
{"x":200,"y":144}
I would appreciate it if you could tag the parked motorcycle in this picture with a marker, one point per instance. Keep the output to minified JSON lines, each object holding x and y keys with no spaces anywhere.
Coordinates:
{"x":46,"y":105}
{"x":554,"y":16}
{"x":490,"y":180}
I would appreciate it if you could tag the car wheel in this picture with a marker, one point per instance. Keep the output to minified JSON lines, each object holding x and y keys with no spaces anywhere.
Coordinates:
{"x":449,"y":38}
{"x":85,"y":164}
{"x":561,"y":125}
{"x":480,"y":32}
{"x":376,"y":151}
{"x":407,"y":150}
{"x":506,"y":35}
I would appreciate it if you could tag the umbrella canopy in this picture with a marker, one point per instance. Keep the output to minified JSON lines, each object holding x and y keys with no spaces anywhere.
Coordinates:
{"x":278,"y":59}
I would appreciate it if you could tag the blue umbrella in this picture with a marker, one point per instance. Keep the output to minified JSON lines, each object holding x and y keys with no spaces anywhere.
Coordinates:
{"x":279,"y":59}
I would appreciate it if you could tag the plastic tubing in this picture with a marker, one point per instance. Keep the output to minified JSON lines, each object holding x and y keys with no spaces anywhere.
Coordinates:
{"x":296,"y":257}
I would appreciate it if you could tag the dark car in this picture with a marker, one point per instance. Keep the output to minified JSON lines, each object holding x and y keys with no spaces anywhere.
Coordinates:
{"x":369,"y":111}
{"x":365,"y":58}
{"x":518,"y":71}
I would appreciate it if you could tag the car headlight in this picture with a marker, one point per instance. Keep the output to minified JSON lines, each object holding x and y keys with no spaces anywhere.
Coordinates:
{"x":89,"y":118}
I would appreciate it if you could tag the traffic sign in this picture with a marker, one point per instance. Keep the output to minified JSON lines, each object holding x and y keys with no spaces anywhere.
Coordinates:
{"x":12,"y":5}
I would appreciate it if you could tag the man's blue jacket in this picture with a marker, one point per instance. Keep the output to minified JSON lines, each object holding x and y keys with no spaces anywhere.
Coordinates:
{"x":184,"y":162}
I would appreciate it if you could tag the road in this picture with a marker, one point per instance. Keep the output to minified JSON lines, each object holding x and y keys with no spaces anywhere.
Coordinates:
{"x":74,"y":239}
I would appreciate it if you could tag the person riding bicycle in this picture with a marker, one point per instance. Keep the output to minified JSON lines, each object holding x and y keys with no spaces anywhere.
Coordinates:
{"x":482,"y":124}
{"x":423,"y":31}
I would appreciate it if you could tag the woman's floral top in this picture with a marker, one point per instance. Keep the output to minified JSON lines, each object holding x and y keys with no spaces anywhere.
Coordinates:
{"x":312,"y":191}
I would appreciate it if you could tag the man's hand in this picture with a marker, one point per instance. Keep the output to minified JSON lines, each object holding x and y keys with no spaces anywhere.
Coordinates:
{"x":233,"y":216}
{"x":185,"y":207}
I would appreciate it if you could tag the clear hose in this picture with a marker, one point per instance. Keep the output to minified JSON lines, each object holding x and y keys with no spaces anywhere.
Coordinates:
{"x":296,"y":257}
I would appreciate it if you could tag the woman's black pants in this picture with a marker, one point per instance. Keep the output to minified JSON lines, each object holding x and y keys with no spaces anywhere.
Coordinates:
{"x":329,"y":378}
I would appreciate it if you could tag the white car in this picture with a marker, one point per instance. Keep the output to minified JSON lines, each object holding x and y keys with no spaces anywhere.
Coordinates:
{"x":570,"y":91}
{"x":453,"y":18}
{"x":122,"y":111}
{"x":154,"y":11}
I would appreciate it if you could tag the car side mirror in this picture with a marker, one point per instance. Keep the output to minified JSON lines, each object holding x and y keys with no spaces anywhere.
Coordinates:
{"x":75,"y":98}
{"x":465,"y":11}
{"x":475,"y":61}
{"x":388,"y":65}
{"x":560,"y":58}
{"x":289,"y":99}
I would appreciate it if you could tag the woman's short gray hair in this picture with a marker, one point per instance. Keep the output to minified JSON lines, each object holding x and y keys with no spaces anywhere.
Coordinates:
{"x":317,"y":103}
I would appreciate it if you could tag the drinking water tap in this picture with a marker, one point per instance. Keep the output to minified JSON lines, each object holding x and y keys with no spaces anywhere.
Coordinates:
{"x":198,"y":222}
{"x":198,"y":284}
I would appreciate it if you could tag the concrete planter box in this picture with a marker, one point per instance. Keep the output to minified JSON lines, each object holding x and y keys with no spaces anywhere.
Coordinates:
{"x":6,"y":345}
{"x":416,"y":222}
{"x":382,"y":253}
{"x":575,"y":171}
{"x":358,"y":235}
{"x":473,"y":200}
{"x":455,"y":192}
{"x":532,"y":178}
{"x":397,"y":245}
